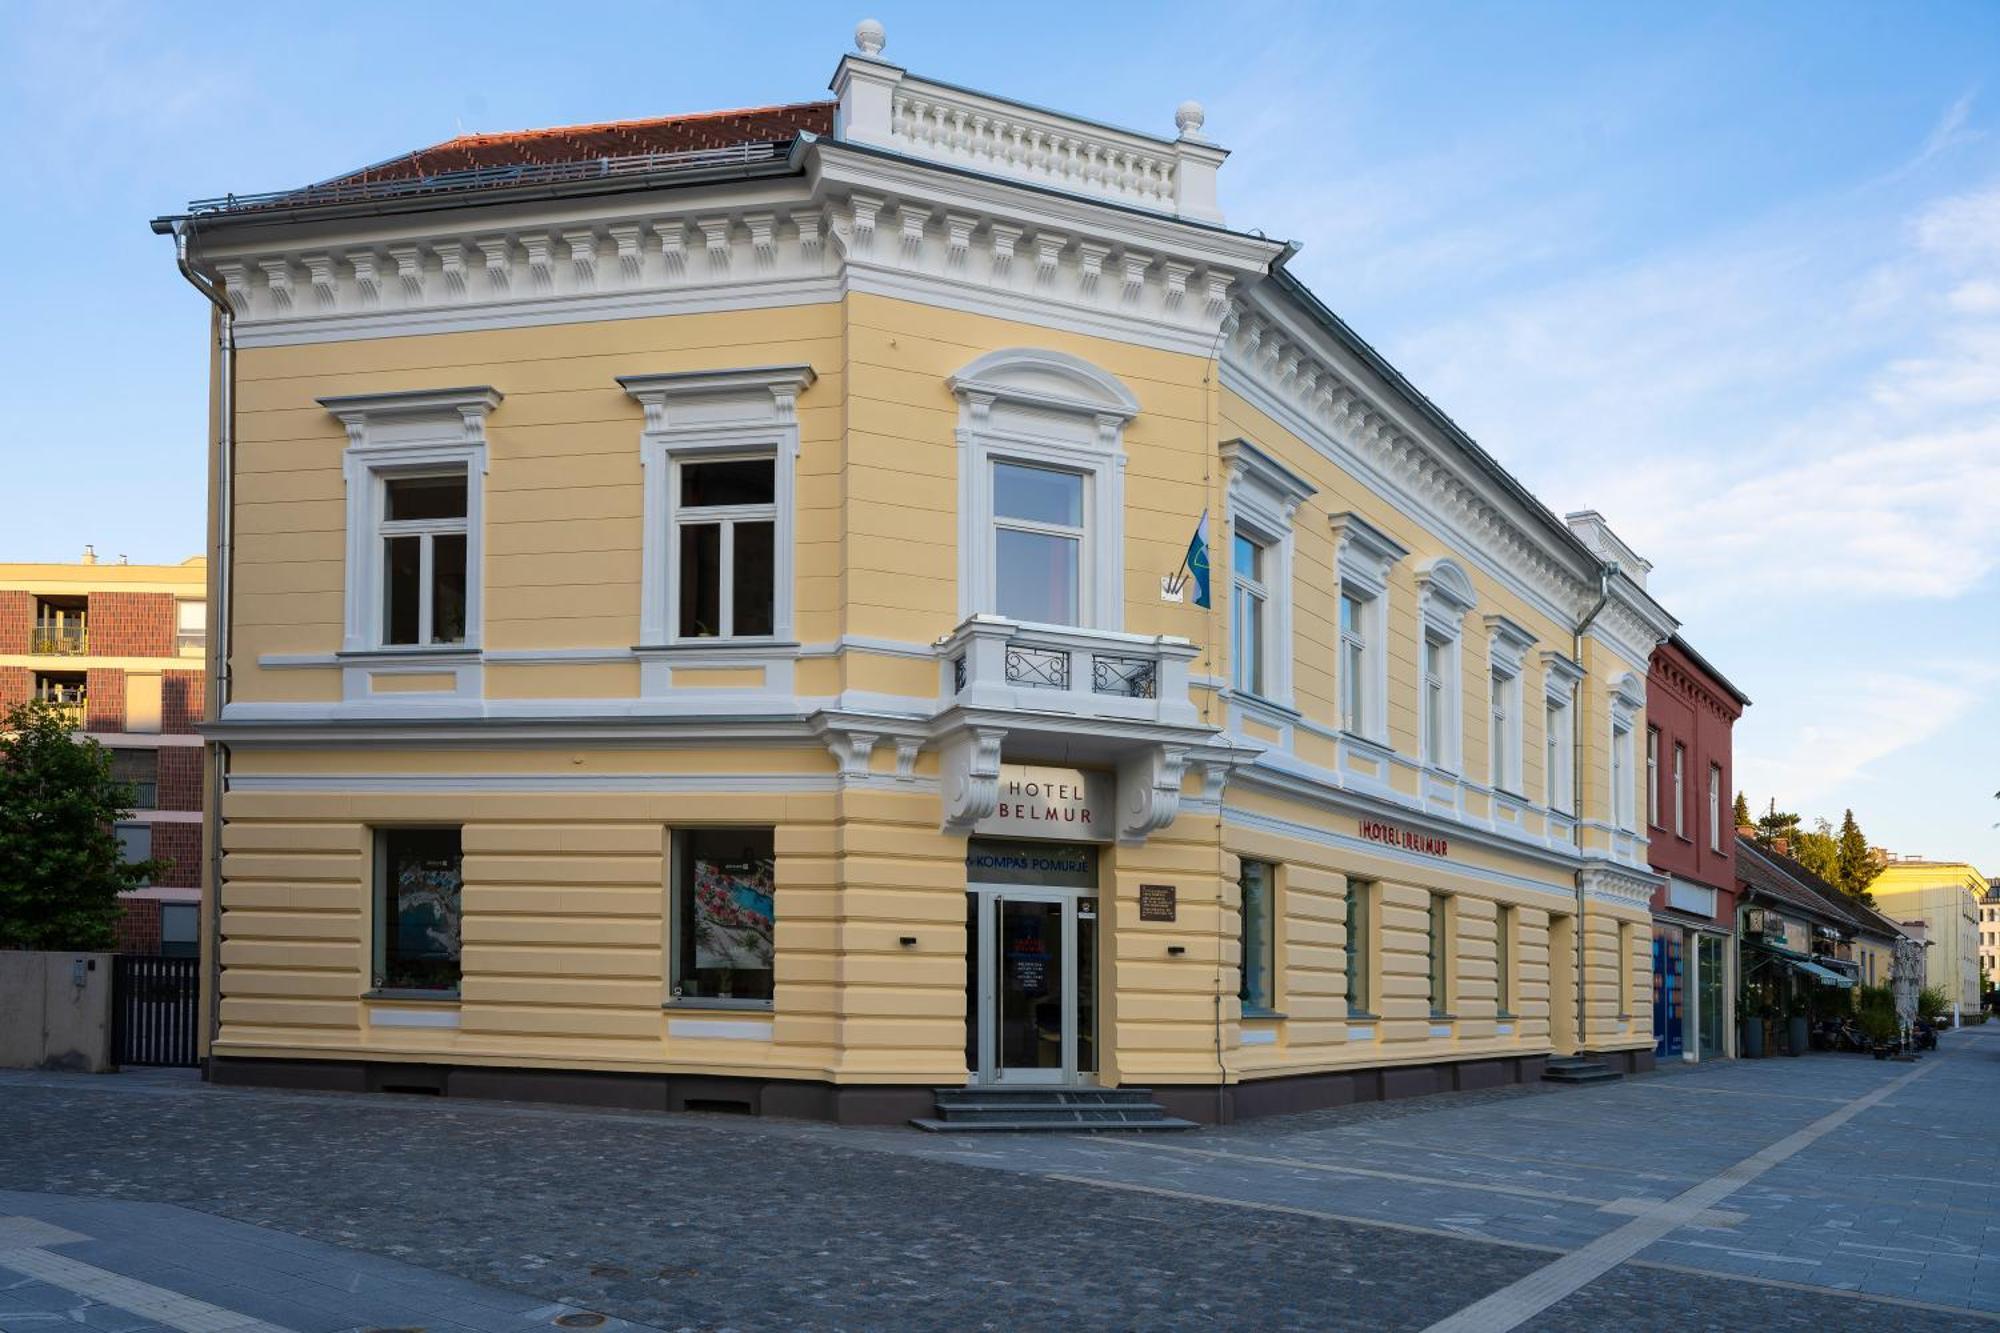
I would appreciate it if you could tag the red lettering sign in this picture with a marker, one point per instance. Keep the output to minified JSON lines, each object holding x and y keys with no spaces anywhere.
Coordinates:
{"x":1410,"y":840}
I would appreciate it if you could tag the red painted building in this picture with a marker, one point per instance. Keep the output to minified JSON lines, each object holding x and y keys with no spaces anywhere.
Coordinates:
{"x":1691,"y":838}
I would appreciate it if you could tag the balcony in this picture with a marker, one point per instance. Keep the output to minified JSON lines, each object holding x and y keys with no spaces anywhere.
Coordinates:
{"x":994,"y":663}
{"x":59,"y":641}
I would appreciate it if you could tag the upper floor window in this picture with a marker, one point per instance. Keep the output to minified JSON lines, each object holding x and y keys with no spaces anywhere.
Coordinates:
{"x":1041,"y":489}
{"x":725,"y":545}
{"x":720,"y":453}
{"x":1680,"y":792}
{"x":1508,"y":645}
{"x":190,"y":627}
{"x":1444,"y":597}
{"x":1364,"y":555}
{"x":1621,"y":775}
{"x":1264,"y":496}
{"x":1248,"y":614}
{"x":61,"y":626}
{"x":1653,"y":776}
{"x":415,"y":468}
{"x":1715,"y":807}
{"x":423,"y":533}
{"x":1040,"y":556}
{"x":1560,"y":677}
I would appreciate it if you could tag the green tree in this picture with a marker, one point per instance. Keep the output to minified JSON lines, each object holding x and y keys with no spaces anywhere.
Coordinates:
{"x":1776,"y":825}
{"x":1857,"y":867}
{"x":1742,"y":811}
{"x":61,"y":865}
{"x":1817,"y":851}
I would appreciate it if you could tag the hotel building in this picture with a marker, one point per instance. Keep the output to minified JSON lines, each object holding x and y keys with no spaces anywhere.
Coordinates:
{"x":708,"y":622}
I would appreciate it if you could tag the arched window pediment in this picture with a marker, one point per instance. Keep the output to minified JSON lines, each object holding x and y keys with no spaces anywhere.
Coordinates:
{"x":1049,"y":381}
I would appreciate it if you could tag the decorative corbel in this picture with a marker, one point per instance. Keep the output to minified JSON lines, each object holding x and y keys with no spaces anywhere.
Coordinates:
{"x":1177,"y":275}
{"x":541,"y":248}
{"x":958,"y":238}
{"x":852,"y":751}
{"x":1005,"y":238}
{"x":409,"y":270}
{"x":971,"y":764}
{"x":367,"y":278}
{"x":278,"y":281}
{"x":496,"y":257}
{"x":808,"y":224}
{"x":763,"y":239}
{"x":1049,"y":246}
{"x":320,"y":269}
{"x":863,"y":209}
{"x":631,"y":250}
{"x":1090,"y":257}
{"x":235,"y":285}
{"x":673,"y":248}
{"x":911,"y":219}
{"x":451,"y":263}
{"x":1149,"y":790}
{"x":1135,"y":264}
{"x":582,"y":244}
{"x":715,"y":232}
{"x":907,"y":749}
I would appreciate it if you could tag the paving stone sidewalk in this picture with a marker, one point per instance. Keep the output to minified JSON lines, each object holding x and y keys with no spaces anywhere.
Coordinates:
{"x":1375,"y":1217}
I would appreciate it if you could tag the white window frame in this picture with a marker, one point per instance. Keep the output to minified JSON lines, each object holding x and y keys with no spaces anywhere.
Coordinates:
{"x":1627,"y":705}
{"x":423,"y":432}
{"x":1652,"y":777}
{"x":1087,"y":558}
{"x":1507,"y":647}
{"x":1445,"y":597}
{"x":1363,"y":557}
{"x":426,"y":531}
{"x":724,"y":517}
{"x":1264,"y":500}
{"x":704,"y":416}
{"x":1560,"y":681}
{"x":1715,"y":807}
{"x":1046,"y":409}
{"x":1249,"y":652}
{"x":1680,"y":790}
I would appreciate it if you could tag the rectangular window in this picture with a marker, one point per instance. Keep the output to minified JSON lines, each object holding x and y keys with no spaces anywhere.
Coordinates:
{"x":1438,"y":942}
{"x":1715,"y":807}
{"x":1653,"y":776}
{"x":422,"y":532}
{"x":1358,"y":998}
{"x":1621,"y":775}
{"x":723,"y":916}
{"x":180,"y":930}
{"x":1680,"y":793}
{"x":1353,"y":665}
{"x":61,"y":626}
{"x":1038,"y":542}
{"x":1503,"y":961}
{"x":1506,"y":738}
{"x":190,"y":628}
{"x":1555,"y":740}
{"x":1248,"y":615}
{"x":725,"y":518}
{"x":135,"y":842}
{"x":419,"y":873}
{"x":1434,"y":702}
{"x":1258,"y":990}
{"x":139,"y":770}
{"x":1624,"y":971}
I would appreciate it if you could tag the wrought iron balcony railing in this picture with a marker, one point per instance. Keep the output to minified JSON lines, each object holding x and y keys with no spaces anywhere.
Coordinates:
{"x":999,"y":663}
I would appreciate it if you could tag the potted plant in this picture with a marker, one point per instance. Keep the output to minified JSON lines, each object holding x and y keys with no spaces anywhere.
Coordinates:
{"x":1880,"y":1025}
{"x":1751,"y":1036}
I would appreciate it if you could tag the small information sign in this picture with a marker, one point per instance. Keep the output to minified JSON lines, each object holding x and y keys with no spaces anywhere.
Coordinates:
{"x":1156,"y":902}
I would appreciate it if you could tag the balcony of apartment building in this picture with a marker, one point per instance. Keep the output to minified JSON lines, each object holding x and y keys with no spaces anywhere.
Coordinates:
{"x":61,"y":627}
{"x":1085,"y":676}
{"x":65,"y":691}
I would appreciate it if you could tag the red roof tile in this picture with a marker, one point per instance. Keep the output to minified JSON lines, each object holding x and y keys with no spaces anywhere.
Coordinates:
{"x":619,"y":138}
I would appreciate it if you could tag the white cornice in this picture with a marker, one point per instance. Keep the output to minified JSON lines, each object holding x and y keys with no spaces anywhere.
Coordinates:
{"x":1292,"y":370}
{"x":859,"y":220}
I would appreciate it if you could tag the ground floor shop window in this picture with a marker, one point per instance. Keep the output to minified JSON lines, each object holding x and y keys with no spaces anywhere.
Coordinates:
{"x":1503,"y":962}
{"x":1259,"y":944}
{"x":1357,"y":946}
{"x":1439,"y":945}
{"x":418,"y":876}
{"x":723,"y":916}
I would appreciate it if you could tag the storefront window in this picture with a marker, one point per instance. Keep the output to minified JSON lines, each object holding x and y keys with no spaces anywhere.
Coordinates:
{"x":1357,"y":946}
{"x":418,"y":877}
{"x":1259,"y":945}
{"x":723,"y":916}
{"x":1503,"y":962}
{"x":1440,"y":964}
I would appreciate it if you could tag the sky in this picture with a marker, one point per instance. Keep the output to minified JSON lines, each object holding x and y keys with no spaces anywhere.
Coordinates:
{"x":1729,"y":274}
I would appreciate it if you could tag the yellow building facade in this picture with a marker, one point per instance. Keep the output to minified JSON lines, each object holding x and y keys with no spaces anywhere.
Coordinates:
{"x":1945,"y":896}
{"x":722,"y":633}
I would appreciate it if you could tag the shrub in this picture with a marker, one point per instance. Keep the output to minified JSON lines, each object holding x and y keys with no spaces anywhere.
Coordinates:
{"x":1933,"y":1003}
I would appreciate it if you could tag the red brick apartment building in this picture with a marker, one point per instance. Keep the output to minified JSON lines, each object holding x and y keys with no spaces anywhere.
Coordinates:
{"x":122,"y":647}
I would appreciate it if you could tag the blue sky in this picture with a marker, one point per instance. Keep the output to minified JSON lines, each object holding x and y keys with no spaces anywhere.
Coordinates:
{"x":1730,"y":274}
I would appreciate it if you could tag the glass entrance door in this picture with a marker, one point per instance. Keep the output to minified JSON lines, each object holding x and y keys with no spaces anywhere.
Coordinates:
{"x":1032,"y":974}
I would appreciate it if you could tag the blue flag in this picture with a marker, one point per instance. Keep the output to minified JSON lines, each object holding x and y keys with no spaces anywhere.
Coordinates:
{"x":1197,"y":560}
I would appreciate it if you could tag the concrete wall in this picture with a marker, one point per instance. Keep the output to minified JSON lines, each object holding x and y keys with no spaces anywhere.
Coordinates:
{"x":47,"y":1019}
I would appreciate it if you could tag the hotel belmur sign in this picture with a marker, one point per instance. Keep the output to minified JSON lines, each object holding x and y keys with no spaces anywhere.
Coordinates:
{"x":1040,"y":802}
{"x":1393,"y":835}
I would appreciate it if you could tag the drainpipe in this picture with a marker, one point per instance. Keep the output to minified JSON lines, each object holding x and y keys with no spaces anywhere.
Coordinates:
{"x":1605,"y":573}
{"x":220,"y":622}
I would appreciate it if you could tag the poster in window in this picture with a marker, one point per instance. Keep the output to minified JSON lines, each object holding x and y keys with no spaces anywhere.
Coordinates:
{"x":427,"y":906}
{"x":732,"y":914}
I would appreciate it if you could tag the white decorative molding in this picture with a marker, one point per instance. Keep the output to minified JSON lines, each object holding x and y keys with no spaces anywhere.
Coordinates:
{"x":409,"y":260}
{"x":719,"y":1029}
{"x":1264,"y":496}
{"x":320,"y":269}
{"x":1508,"y":644}
{"x":278,"y":281}
{"x":1629,"y":887}
{"x":582,"y":243}
{"x":969,"y":761}
{"x":1149,"y":790}
{"x":715,"y":412}
{"x":540,"y":246}
{"x":1034,"y":405}
{"x":496,"y":258}
{"x":1363,"y":555}
{"x":451,"y":266}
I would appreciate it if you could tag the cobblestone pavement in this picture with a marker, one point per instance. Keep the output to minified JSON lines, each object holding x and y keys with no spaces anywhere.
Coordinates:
{"x":1390,"y":1216}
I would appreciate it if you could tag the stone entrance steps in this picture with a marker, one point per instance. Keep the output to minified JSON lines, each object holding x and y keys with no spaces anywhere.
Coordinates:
{"x":1061,"y":1110}
{"x":1579,"y":1069}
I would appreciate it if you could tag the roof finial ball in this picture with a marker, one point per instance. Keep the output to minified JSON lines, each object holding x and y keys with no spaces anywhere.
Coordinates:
{"x":869,"y":37}
{"x":1188,"y":118}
